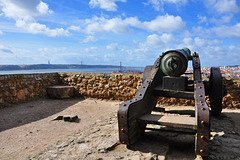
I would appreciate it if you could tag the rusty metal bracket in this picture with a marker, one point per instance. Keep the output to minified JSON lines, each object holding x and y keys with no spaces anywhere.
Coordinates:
{"x":144,"y":102}
{"x":196,"y":67}
{"x":123,"y":119}
{"x":201,"y":110}
{"x":202,"y":118}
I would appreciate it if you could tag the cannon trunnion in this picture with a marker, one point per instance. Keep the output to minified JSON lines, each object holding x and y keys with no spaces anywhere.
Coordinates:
{"x":164,"y":79}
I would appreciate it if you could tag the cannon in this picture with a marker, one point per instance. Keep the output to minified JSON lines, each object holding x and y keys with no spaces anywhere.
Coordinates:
{"x":166,"y":78}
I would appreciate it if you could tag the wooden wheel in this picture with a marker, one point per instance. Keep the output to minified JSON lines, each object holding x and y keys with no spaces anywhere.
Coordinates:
{"x":216,"y":91}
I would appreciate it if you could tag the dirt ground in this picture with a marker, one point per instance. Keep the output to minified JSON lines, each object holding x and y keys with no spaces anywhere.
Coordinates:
{"x":27,"y":131}
{"x":28,"y":128}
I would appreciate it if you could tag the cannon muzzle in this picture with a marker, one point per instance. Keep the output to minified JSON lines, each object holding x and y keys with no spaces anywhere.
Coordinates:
{"x":175,"y":62}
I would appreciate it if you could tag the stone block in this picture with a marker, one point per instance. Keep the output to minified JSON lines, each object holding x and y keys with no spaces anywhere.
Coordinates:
{"x":60,"y":91}
{"x":21,"y":95}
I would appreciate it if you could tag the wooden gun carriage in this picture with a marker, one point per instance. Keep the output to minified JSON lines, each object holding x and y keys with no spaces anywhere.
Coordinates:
{"x":165,"y":79}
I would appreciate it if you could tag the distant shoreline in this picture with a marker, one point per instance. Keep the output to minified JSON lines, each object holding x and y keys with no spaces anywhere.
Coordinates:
{"x":98,"y":69}
{"x":52,"y":66}
{"x":36,"y":71}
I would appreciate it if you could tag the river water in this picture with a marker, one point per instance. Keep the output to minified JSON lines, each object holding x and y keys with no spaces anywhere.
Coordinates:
{"x":83,"y":70}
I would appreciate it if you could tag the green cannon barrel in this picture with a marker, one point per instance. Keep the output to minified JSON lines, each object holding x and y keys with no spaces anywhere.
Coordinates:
{"x":175,"y":62}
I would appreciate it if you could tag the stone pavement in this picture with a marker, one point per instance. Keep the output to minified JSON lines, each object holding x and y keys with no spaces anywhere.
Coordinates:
{"x":100,"y":141}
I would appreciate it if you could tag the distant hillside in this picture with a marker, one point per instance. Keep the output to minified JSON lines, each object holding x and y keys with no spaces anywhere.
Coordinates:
{"x":51,"y":66}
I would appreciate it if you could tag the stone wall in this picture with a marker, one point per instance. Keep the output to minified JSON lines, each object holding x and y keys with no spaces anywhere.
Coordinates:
{"x":122,"y":87}
{"x":232,"y":99}
{"x":21,"y":87}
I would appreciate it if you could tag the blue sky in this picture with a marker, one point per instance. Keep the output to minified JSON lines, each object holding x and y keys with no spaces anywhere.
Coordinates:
{"x":134,"y":32}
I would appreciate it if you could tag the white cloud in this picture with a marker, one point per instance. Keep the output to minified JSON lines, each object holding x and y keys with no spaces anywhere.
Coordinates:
{"x":158,"y":4}
{"x":148,"y":51}
{"x":101,"y":24}
{"x":5,"y":50}
{"x":53,"y":53}
{"x":223,"y":31}
{"x":52,"y":50}
{"x":1,"y":32}
{"x":156,"y":41}
{"x":142,"y":55}
{"x":166,"y":23}
{"x":109,"y":57}
{"x":75,"y":28}
{"x":43,"y":9}
{"x":89,"y":39}
{"x":109,"y":5}
{"x":188,"y":41}
{"x":112,"y":46}
{"x":227,"y":31}
{"x":223,"y":19}
{"x":37,"y":28}
{"x":91,"y":49}
{"x":44,"y":50}
{"x":26,"y":12}
{"x":226,"y":6}
{"x":202,"y":19}
{"x":24,"y":9}
{"x":234,"y":52}
{"x":198,"y":42}
{"x":223,"y":6}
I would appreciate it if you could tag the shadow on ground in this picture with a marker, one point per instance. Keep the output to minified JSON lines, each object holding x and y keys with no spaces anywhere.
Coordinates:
{"x":224,"y":143}
{"x":20,"y":114}
{"x":166,"y":144}
{"x":225,"y":132}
